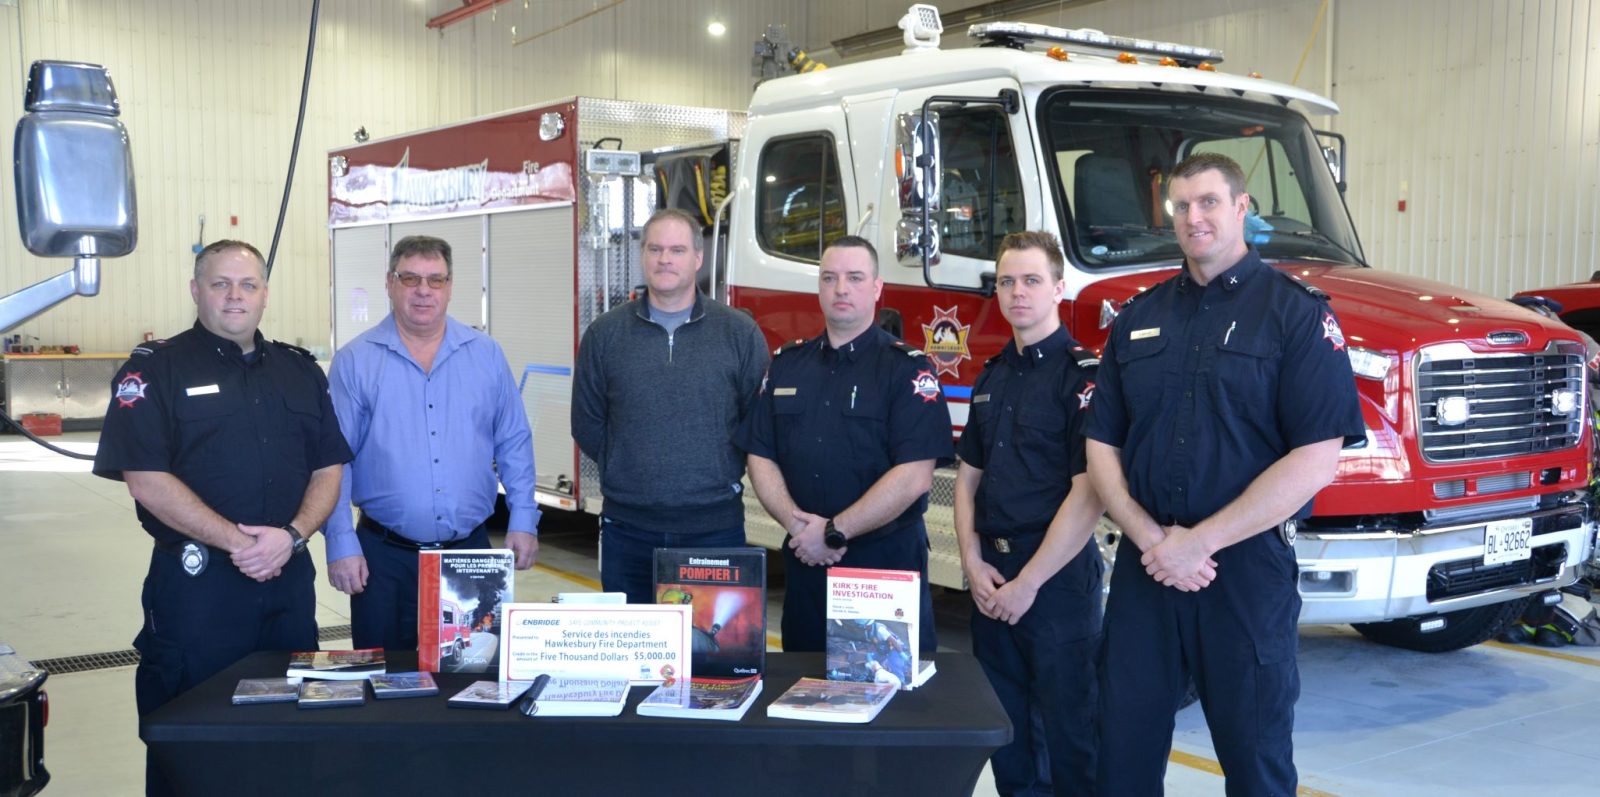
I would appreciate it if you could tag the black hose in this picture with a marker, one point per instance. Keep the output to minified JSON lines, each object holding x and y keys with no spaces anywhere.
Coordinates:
{"x":294,"y":151}
{"x":35,"y":438}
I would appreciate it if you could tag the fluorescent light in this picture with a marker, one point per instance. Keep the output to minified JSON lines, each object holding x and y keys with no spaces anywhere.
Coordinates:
{"x":716,"y":28}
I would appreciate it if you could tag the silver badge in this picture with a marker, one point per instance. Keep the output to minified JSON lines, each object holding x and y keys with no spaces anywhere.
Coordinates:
{"x":1288,"y":531}
{"x":194,"y":557}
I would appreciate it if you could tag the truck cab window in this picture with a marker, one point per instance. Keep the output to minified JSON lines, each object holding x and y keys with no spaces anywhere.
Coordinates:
{"x":800,"y":201}
{"x":982,"y":189}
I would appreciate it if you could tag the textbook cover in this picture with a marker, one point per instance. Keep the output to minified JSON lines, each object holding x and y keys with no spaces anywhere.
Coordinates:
{"x":459,"y":593}
{"x":336,"y":665}
{"x":702,"y":699}
{"x":726,"y":589}
{"x":822,"y":700}
{"x":872,"y":627}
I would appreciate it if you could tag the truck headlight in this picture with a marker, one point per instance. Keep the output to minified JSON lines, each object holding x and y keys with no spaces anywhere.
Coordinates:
{"x":1368,"y":363}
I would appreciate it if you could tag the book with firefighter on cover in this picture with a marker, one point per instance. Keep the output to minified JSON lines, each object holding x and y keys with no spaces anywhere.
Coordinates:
{"x":726,"y":589}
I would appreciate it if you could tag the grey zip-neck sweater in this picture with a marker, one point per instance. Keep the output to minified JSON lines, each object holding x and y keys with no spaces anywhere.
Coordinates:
{"x":657,"y":412}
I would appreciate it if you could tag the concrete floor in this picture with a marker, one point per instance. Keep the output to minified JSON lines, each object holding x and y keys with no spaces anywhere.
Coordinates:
{"x":1492,"y":720}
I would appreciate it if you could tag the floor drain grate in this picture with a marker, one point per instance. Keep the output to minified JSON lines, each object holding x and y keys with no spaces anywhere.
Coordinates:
{"x":127,"y":658}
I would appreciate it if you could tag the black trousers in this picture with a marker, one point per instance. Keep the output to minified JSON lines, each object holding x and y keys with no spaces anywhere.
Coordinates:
{"x":196,"y":626}
{"x":1237,"y":638}
{"x":384,"y":614}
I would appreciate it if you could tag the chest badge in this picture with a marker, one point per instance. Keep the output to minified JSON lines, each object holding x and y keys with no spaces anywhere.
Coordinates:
{"x":1331,"y":331}
{"x":1141,"y":334}
{"x":1086,"y":396}
{"x":945,"y":341}
{"x":130,"y":389}
{"x":926,"y":385}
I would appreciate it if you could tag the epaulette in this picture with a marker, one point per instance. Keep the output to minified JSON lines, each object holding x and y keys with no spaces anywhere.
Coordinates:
{"x":1086,"y":359}
{"x":906,"y":348}
{"x":995,"y":359}
{"x":296,"y":349}
{"x":149,"y":347}
{"x":790,"y":346}
{"x":1316,"y":293}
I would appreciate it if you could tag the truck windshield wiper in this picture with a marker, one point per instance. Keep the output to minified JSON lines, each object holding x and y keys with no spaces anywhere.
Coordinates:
{"x":1319,"y":236}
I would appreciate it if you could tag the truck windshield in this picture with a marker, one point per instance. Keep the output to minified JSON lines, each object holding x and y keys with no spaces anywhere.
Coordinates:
{"x":1110,"y":153}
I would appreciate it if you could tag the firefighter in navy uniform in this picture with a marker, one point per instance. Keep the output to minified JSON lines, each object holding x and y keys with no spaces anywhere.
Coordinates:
{"x":230,"y":449}
{"x":1024,"y":516}
{"x":842,"y":444}
{"x":1222,"y":400}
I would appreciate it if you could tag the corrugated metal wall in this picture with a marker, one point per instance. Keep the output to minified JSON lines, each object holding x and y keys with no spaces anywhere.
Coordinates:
{"x":1484,"y":113}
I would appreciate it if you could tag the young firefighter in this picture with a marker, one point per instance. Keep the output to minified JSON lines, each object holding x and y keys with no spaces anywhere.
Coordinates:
{"x":1024,"y":513}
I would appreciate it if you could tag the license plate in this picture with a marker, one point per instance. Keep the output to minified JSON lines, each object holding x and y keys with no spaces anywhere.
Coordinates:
{"x":1507,"y":541}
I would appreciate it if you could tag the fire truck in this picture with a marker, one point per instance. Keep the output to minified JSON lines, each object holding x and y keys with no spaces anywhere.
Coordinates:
{"x":1466,"y":499}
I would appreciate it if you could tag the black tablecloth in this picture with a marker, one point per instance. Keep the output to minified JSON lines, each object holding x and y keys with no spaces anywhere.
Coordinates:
{"x":930,"y":741}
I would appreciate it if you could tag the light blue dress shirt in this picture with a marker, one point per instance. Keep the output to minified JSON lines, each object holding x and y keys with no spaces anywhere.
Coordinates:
{"x":427,"y":444}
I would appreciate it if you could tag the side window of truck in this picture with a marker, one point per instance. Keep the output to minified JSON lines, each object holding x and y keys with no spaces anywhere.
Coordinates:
{"x":982,"y":188}
{"x":1270,"y":179}
{"x":800,"y":201}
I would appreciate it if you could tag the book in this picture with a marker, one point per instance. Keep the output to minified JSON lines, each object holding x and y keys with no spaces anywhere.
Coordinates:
{"x":726,"y":589}
{"x":459,"y":593}
{"x":823,"y":700}
{"x":266,"y":690}
{"x":872,"y":626}
{"x":489,"y":694}
{"x":702,"y":699}
{"x":403,"y":684}
{"x":330,"y":694}
{"x":336,"y":665}
{"x":575,"y":696}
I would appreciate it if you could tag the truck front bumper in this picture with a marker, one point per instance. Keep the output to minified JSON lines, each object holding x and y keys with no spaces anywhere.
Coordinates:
{"x":1385,"y":574}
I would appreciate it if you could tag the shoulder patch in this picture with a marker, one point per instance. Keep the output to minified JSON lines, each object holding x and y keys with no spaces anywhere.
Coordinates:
{"x":790,"y":346}
{"x":1316,"y":293}
{"x":906,"y":348}
{"x":296,"y":349}
{"x":149,"y":347}
{"x":1086,"y":359}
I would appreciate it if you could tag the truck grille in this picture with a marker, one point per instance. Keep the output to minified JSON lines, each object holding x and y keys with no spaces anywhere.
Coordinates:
{"x":1471,"y":576}
{"x":1509,"y":402}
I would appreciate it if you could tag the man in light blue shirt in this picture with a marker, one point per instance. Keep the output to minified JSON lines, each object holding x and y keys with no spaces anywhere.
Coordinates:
{"x":434,"y":417}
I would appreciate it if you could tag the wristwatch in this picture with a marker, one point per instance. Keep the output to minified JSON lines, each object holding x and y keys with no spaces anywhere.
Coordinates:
{"x":299,"y":539}
{"x":832,"y":537}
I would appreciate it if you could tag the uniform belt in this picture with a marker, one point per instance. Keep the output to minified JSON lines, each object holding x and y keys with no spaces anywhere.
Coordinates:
{"x":366,"y":523}
{"x":177,"y":546}
{"x":1009,"y":544}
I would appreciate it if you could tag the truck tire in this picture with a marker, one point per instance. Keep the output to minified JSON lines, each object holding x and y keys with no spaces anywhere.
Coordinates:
{"x":1462,"y":629}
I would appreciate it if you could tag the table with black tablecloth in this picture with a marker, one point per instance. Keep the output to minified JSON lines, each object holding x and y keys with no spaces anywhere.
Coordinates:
{"x":931,"y":741}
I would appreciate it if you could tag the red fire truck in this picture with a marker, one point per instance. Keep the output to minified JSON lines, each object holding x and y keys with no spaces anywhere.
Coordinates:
{"x":1465,"y":500}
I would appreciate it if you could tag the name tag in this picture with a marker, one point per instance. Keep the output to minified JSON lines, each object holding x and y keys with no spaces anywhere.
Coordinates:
{"x":203,"y":390}
{"x":1141,"y":334}
{"x":980,"y":398}
{"x":784,"y":391}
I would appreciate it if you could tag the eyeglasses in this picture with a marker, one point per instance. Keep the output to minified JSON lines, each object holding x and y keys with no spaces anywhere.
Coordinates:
{"x":435,"y":281}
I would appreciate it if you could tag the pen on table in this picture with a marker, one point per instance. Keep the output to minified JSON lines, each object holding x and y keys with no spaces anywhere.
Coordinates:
{"x":530,"y":704}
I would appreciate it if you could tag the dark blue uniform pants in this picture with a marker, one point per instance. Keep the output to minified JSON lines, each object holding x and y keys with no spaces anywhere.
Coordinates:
{"x":805,"y":591}
{"x":627,"y":554}
{"x":1043,"y":671}
{"x":384,"y":615}
{"x":196,"y":626}
{"x":1236,"y":638}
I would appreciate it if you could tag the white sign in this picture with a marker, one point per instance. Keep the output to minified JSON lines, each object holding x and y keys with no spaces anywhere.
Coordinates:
{"x":640,"y":642}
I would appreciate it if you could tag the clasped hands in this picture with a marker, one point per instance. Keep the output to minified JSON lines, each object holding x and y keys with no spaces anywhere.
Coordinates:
{"x":1180,"y":560}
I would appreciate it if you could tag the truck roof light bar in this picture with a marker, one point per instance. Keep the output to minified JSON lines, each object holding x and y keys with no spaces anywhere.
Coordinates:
{"x":1018,"y":34}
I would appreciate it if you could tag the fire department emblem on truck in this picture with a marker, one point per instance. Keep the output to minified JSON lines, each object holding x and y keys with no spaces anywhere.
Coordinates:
{"x":945,"y":342}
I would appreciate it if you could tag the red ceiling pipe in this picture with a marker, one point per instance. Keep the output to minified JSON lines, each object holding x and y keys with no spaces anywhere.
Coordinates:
{"x":470,"y":8}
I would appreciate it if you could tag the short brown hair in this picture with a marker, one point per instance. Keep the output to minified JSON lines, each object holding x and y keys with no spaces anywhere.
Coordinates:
{"x":689,"y":221}
{"x":855,"y":242}
{"x":425,"y":246}
{"x":1041,"y":240}
{"x":1205,"y":161}
{"x":218,"y":247}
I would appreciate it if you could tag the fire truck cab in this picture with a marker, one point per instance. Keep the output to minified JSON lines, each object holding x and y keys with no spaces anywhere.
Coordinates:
{"x":1467,"y":496}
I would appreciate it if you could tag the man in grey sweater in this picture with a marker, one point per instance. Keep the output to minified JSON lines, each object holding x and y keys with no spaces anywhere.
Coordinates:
{"x":660,"y":386}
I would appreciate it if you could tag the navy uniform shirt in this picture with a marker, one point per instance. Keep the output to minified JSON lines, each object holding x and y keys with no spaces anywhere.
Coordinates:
{"x":245,"y":436}
{"x":836,"y":420}
{"x":1025,"y":432}
{"x":1204,"y":387}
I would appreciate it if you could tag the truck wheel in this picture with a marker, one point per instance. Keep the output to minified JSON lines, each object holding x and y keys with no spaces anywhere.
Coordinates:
{"x":453,"y":658}
{"x":1462,"y":629}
